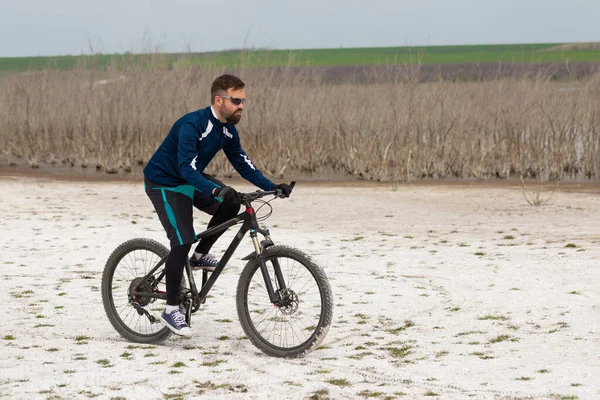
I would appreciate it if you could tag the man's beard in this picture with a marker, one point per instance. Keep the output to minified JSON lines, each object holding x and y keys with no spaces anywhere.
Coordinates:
{"x":234,"y":118}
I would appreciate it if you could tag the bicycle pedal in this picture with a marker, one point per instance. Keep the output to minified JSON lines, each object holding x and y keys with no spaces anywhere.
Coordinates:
{"x":204,"y":268}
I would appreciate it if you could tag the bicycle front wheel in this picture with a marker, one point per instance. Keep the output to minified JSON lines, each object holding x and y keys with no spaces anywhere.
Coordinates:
{"x":301,"y":322}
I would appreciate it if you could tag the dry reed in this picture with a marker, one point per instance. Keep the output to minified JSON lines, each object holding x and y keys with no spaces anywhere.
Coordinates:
{"x":113,"y":119}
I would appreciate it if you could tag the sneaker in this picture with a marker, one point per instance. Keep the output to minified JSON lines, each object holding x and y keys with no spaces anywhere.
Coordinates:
{"x":175,"y":321}
{"x":205,"y":261}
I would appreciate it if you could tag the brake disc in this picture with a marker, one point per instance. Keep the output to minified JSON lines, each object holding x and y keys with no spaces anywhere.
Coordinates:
{"x":289,"y":302}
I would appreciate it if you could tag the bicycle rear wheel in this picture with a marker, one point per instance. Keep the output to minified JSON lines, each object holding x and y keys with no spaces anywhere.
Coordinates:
{"x":301,"y":323}
{"x":123,"y":271}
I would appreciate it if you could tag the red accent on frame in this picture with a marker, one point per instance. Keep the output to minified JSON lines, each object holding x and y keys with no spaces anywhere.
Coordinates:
{"x":250,"y":210}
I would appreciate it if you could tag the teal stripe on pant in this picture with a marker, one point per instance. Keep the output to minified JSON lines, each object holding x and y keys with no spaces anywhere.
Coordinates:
{"x":171,"y":216}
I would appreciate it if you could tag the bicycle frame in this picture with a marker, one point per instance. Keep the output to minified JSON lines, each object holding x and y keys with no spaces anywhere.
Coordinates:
{"x":249,"y":223}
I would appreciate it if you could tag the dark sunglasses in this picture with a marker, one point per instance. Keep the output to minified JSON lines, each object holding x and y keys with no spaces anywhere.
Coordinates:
{"x":234,"y":100}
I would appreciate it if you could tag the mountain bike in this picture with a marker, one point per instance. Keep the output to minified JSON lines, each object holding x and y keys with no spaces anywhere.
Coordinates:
{"x":284,"y":300}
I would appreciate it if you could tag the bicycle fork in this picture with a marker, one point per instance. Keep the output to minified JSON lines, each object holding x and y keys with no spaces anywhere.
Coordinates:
{"x":274,"y":295}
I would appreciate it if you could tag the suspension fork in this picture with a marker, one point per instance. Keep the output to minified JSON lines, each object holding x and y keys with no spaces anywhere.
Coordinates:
{"x":259,"y":250}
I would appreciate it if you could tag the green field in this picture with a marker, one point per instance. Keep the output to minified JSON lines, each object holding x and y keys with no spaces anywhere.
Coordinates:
{"x":521,"y":53}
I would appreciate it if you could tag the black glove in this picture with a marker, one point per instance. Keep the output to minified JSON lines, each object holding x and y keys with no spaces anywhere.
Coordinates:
{"x":286,"y":189}
{"x":228,"y":194}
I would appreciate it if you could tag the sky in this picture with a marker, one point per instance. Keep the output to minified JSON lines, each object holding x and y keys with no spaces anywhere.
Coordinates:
{"x":58,"y":27}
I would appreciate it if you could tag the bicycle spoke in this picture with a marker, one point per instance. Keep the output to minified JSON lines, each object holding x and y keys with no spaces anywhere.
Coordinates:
{"x":127,"y":264}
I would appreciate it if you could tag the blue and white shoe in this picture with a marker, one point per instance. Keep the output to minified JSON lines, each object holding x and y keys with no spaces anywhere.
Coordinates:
{"x":205,"y":261}
{"x":175,"y":321}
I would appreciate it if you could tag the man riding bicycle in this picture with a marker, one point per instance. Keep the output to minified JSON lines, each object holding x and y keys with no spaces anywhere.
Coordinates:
{"x":175,"y":183}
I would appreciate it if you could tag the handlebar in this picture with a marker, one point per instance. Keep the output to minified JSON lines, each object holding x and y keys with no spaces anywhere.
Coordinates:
{"x":249,"y":197}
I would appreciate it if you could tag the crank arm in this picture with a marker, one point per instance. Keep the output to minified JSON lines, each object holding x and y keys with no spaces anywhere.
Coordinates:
{"x":188,"y":311}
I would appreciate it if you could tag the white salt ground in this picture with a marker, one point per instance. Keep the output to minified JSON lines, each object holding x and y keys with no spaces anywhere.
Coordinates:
{"x":463,"y":292}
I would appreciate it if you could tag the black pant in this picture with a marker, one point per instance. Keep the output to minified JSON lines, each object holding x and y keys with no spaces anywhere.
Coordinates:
{"x":176,"y":261}
{"x":174,"y":208}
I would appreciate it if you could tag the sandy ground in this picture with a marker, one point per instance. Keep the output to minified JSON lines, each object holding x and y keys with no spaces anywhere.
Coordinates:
{"x":456,"y":291}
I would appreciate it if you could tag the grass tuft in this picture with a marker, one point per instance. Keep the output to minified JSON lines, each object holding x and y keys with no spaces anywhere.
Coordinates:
{"x":502,"y":338}
{"x":104,"y":362}
{"x":213,"y":363}
{"x":399,"y":352}
{"x":407,"y":324}
{"x":492,"y":317}
{"x":339,"y":382}
{"x":369,"y":394}
{"x":524,"y":378}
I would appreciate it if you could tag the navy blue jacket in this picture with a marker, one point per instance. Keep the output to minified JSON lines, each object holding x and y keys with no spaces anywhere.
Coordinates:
{"x":191,"y":144}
